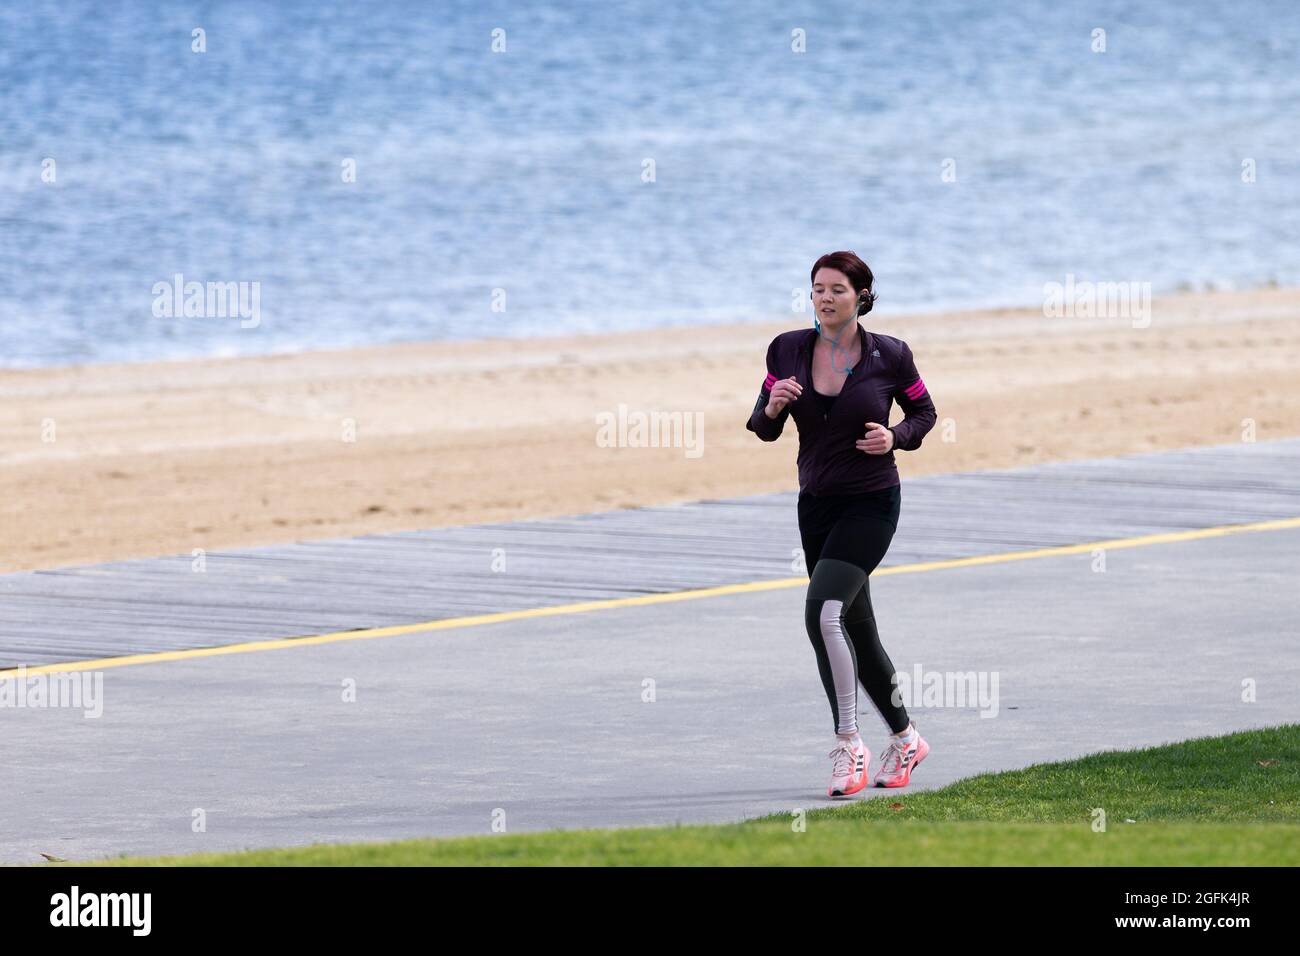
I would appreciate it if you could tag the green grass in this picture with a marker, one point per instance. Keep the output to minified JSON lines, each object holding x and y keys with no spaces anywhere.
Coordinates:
{"x":1212,"y":801}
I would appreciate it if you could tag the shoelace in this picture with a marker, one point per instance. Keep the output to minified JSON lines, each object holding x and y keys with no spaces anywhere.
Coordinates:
{"x":893,"y":761}
{"x":843,"y":754}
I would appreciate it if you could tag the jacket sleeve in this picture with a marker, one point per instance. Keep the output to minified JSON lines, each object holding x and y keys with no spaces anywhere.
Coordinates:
{"x":914,"y":399}
{"x":768,"y":429}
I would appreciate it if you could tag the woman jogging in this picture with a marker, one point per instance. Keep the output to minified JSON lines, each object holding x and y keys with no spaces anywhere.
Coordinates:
{"x":837,"y":380}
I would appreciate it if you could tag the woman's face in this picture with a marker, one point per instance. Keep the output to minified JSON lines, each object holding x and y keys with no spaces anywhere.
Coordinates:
{"x":833,"y":298}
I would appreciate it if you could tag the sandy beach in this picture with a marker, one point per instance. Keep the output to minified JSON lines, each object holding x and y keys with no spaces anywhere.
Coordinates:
{"x":131,"y":460}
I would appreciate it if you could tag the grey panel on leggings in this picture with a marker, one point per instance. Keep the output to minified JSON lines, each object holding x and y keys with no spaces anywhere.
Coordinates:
{"x":840,"y":657}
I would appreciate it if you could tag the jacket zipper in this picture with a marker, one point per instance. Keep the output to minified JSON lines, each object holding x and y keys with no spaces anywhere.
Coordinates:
{"x":863,"y":361}
{"x":821,"y":436}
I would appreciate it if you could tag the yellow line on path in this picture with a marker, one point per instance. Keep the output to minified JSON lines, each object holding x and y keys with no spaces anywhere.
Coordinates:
{"x":644,"y":599}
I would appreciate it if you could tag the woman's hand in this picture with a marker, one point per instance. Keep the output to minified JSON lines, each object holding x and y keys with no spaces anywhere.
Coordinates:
{"x":783,"y":393}
{"x":878,"y":440}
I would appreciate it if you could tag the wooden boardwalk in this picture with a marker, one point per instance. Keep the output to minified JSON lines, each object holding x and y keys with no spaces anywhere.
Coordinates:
{"x":318,"y":587}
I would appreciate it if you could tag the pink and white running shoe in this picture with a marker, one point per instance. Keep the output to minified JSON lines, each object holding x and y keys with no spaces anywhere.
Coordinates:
{"x":897,"y":762}
{"x":849,"y":772}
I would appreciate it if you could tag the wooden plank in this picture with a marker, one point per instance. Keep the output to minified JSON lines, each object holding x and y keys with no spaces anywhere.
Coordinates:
{"x":408,"y":577}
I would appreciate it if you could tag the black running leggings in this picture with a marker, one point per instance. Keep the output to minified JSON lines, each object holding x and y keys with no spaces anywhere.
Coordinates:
{"x":844,"y":538}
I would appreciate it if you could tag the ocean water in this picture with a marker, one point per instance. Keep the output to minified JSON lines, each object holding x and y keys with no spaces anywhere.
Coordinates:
{"x":518,"y":178}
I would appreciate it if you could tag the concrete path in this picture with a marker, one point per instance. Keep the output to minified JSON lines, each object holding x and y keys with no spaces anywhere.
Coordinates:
{"x":700,"y":710}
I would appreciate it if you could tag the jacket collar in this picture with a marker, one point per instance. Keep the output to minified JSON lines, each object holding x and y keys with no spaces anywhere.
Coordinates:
{"x":864,"y":337}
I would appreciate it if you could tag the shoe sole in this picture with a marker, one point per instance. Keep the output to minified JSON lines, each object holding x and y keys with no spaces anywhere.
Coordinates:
{"x":848,"y":793}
